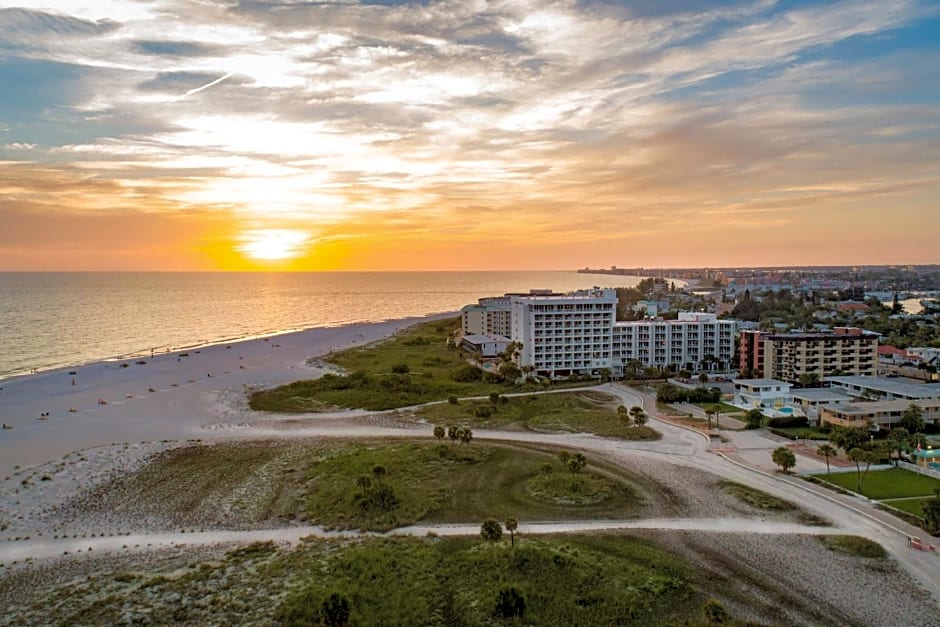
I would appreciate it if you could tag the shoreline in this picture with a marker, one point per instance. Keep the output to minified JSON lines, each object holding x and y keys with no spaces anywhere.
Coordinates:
{"x":177,"y":395}
{"x":157,"y":351}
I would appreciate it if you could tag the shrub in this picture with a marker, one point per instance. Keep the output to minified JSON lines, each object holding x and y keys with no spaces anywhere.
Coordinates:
{"x":509,"y":604}
{"x":510,"y":372}
{"x":715,"y":613}
{"x":452,"y":400}
{"x":482,"y":411}
{"x":492,"y":377}
{"x":466,"y":374}
{"x":401,"y":369}
{"x":789,"y":421}
{"x":491,"y":530}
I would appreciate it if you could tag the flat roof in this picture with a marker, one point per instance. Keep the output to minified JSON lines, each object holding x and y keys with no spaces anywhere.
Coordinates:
{"x":890,"y":386}
{"x":759,"y":382}
{"x":823,"y":337}
{"x":873,"y":407}
{"x":477,"y":338}
{"x":820,"y":394}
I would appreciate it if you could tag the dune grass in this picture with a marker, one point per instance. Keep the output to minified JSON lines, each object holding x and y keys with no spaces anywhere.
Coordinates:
{"x":574,"y":412}
{"x":372,"y":485}
{"x":756,"y":498}
{"x":376,"y":381}
{"x":598,"y":579}
{"x":574,"y":580}
{"x":853,"y":545}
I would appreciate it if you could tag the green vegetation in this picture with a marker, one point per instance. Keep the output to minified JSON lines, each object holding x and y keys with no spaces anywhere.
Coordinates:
{"x":575,"y":412}
{"x":888,"y":484}
{"x":800,"y":433}
{"x":784,"y":458}
{"x":854,"y":545}
{"x":457,"y":483}
{"x":416,"y":366}
{"x":669,"y":393}
{"x":767,"y":502}
{"x":368,"y":485}
{"x":459,"y":581}
{"x":914,"y":505}
{"x":597,"y":579}
{"x":756,"y":498}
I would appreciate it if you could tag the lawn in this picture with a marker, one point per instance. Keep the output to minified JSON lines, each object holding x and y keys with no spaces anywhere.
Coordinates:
{"x":376,"y":485}
{"x":910,"y":505}
{"x":412,"y":367}
{"x":886,"y":484}
{"x":575,"y":412}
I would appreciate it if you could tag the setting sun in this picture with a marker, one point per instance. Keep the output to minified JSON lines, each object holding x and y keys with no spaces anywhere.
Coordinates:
{"x":273,"y":244}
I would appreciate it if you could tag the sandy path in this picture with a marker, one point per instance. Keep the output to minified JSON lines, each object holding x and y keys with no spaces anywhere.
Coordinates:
{"x":54,"y":548}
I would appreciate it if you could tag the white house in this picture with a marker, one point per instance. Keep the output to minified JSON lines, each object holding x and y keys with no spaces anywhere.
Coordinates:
{"x":762,"y":393}
{"x":484,"y":346}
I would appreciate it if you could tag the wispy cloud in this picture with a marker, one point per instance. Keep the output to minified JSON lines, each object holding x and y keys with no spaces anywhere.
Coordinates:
{"x":620,"y":124}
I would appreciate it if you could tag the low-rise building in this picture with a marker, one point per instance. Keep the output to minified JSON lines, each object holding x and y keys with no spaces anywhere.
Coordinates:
{"x":762,"y":393}
{"x":928,"y":355}
{"x":883,"y":388}
{"x":812,"y":400}
{"x":879,"y":414}
{"x":484,"y":346}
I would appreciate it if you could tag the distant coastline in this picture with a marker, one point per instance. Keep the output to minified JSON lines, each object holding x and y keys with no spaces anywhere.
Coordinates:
{"x":640,"y":273}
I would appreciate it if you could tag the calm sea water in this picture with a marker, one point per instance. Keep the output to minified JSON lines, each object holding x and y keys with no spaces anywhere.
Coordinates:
{"x":57,"y":319}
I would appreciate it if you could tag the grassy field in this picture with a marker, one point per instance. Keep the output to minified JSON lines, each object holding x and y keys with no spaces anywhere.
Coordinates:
{"x":886,"y":484}
{"x":910,"y":505}
{"x":576,"y":412}
{"x":367,"y":485}
{"x":373,"y":384}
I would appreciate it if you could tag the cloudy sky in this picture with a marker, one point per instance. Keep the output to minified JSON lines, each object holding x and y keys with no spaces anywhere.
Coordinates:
{"x":467,"y":134}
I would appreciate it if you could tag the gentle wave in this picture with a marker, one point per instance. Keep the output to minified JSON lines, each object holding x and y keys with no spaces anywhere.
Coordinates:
{"x":56,"y":319}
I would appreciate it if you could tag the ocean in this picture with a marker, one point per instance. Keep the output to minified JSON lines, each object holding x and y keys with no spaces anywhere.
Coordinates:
{"x":55,"y":319}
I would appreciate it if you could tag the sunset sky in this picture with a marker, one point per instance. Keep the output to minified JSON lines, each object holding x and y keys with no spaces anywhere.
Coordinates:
{"x":465,"y":134}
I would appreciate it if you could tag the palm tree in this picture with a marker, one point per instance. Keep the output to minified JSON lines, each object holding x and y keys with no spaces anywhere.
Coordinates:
{"x":511,"y":525}
{"x":439,"y":432}
{"x":898,"y":437}
{"x":466,"y":435}
{"x":635,"y":412}
{"x":827,"y":451}
{"x":623,"y":414}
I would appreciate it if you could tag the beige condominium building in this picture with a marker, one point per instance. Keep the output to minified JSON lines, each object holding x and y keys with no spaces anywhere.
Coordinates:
{"x":796,"y":357}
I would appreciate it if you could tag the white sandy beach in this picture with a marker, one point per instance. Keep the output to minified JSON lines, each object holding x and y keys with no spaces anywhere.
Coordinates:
{"x":188,"y":398}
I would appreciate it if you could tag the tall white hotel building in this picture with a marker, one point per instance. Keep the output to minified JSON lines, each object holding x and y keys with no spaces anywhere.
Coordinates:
{"x":578,"y":332}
